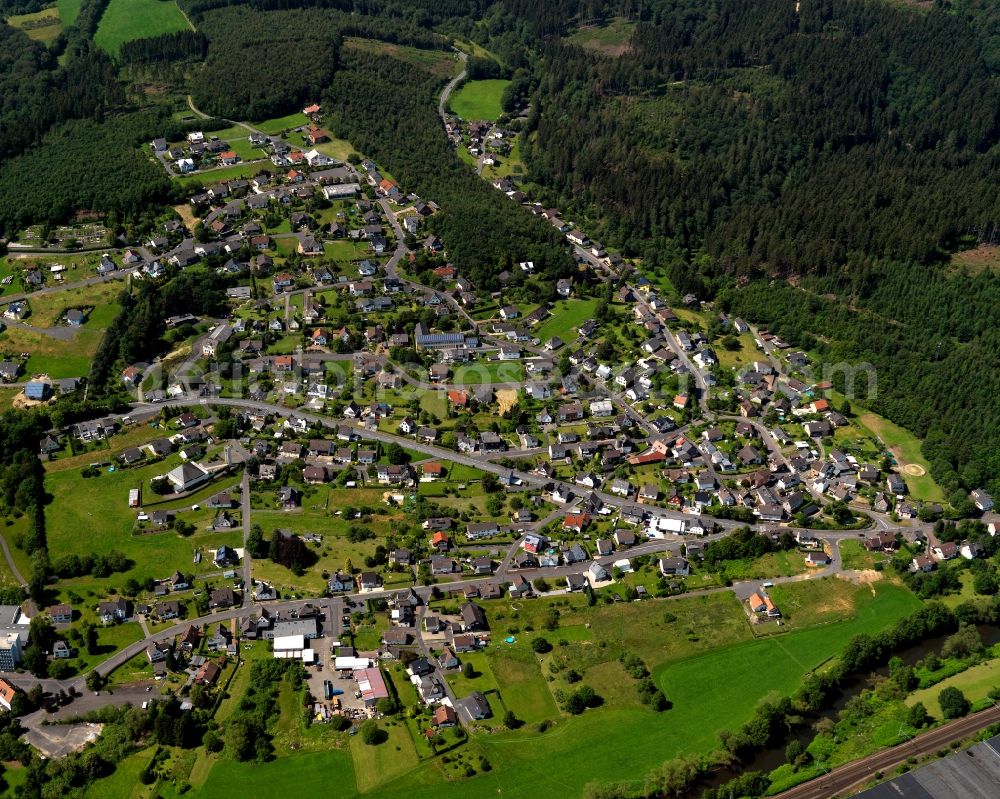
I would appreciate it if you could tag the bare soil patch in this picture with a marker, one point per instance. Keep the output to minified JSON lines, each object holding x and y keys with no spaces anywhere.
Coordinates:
{"x":506,"y":399}
{"x":978,"y":259}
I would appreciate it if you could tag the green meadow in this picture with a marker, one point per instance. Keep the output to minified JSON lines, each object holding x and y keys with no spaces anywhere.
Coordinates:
{"x":704,"y":656}
{"x":125,"y":20}
{"x":478,"y":99}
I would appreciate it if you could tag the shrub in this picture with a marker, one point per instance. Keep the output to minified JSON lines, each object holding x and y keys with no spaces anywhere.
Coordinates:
{"x":953,"y":703}
{"x":541,"y":645}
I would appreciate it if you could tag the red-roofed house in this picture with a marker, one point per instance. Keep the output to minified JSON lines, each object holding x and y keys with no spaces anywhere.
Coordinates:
{"x":430,"y":472}
{"x":576,"y":521}
{"x":440,"y":541}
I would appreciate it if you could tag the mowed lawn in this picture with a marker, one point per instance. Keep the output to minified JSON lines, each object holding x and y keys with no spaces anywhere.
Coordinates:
{"x":564,"y":317}
{"x":478,"y":99}
{"x":125,"y":20}
{"x":488,"y":372}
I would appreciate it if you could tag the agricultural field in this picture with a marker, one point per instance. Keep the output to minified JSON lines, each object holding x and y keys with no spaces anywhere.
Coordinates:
{"x":564,"y":317}
{"x":478,"y":100}
{"x":610,"y":38}
{"x":125,"y":20}
{"x":43,"y":26}
{"x":702,"y":688}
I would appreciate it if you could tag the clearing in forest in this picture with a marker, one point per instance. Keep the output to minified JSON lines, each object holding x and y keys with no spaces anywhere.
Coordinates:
{"x":125,"y":20}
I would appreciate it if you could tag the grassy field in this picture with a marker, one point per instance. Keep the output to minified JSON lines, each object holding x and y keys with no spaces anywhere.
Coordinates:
{"x":478,"y":99}
{"x":100,"y":505}
{"x":565,"y":317}
{"x":481,"y":372}
{"x":53,"y":357}
{"x":773,"y":564}
{"x":854,"y":555}
{"x":975,"y":683}
{"x":375,"y":765}
{"x":733,"y":359}
{"x":276,"y":126}
{"x":813,"y":602}
{"x":68,"y":11}
{"x":703,"y":689}
{"x":300,"y":775}
{"x":610,"y":38}
{"x":43,"y":26}
{"x":125,"y":20}
{"x":219,"y":175}
{"x":48,"y":308}
{"x":906,"y":448}
{"x":125,"y":779}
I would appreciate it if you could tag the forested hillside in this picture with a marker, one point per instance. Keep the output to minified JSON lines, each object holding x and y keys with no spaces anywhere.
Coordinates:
{"x":36,"y":93}
{"x":84,"y":165}
{"x":849,"y":147}
{"x":386,"y":107}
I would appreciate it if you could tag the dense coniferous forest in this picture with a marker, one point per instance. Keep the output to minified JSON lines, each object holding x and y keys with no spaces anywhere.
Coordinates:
{"x":36,"y":93}
{"x":386,"y":108}
{"x":263,"y":65}
{"x":176,"y":46}
{"x":84,"y":165}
